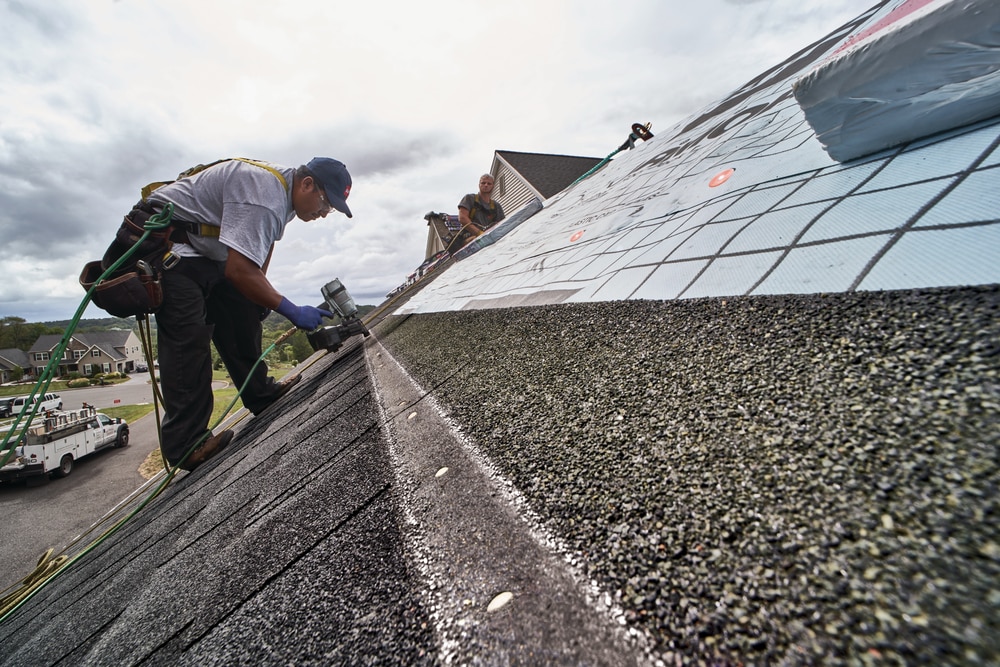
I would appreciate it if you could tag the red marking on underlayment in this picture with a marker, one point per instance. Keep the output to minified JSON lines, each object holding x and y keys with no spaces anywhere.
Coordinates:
{"x":576,"y":237}
{"x":895,"y":16}
{"x":720,"y":178}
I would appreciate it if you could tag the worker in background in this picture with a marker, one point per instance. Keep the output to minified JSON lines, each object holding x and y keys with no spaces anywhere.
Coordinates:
{"x":226,"y":220}
{"x":477,"y":212}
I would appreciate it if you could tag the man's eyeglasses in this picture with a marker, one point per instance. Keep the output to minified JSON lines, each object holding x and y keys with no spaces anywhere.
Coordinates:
{"x":322,"y":199}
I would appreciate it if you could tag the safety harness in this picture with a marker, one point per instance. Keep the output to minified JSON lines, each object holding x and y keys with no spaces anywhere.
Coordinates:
{"x":181,"y":228}
{"x":491,"y":210}
{"x":202,"y":167}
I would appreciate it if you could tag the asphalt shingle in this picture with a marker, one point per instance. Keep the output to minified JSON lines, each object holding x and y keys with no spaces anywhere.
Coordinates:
{"x":301,"y":503}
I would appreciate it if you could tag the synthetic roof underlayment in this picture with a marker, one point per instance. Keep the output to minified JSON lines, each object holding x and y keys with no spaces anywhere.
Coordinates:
{"x":743,"y":199}
{"x":752,"y":421}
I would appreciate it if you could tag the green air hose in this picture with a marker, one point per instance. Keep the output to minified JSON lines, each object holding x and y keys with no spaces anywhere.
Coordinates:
{"x":48,"y":568}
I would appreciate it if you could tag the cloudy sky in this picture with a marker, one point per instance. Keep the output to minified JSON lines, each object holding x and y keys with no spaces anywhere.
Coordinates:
{"x":100,"y":97}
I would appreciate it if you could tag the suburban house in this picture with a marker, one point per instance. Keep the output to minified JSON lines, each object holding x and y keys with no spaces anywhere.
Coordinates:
{"x":13,"y":362}
{"x":89,"y":353}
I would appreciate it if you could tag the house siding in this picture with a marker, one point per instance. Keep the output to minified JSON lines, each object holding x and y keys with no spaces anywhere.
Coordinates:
{"x":511,"y":190}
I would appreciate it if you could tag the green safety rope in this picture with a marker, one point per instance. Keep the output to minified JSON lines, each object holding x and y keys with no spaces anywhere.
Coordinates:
{"x":48,"y":568}
{"x":155,"y":223}
{"x":638,"y":132}
{"x":597,"y":166}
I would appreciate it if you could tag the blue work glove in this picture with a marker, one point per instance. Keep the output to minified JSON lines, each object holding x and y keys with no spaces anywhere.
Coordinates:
{"x":304,"y":317}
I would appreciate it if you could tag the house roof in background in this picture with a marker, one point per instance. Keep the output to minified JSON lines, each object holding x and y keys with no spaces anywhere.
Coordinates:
{"x":14,"y":357}
{"x":549,"y":174}
{"x":107,"y":341}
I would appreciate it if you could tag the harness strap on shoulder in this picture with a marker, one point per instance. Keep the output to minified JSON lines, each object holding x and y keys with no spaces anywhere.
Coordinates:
{"x":148,"y":189}
{"x":477,"y":204}
{"x":275,"y":172}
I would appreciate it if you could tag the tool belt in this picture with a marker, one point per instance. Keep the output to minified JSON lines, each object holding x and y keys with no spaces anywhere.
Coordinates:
{"x":129,"y":294}
{"x":134,"y":288}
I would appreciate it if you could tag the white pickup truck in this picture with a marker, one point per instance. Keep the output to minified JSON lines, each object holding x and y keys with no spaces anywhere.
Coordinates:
{"x":56,"y":439}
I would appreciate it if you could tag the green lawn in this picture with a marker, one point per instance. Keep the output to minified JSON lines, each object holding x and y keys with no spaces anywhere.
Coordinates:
{"x":55,"y":385}
{"x":130,"y":413}
{"x":25,"y":389}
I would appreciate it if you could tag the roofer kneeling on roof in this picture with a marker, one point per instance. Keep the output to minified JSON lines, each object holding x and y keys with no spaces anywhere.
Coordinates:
{"x":477,"y":212}
{"x":227,"y":218}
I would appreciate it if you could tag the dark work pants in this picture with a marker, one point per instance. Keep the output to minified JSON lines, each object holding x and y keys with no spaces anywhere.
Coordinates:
{"x":199,"y":307}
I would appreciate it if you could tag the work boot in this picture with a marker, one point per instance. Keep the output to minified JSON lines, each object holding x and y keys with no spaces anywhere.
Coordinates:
{"x":280,"y":389}
{"x":207,"y":450}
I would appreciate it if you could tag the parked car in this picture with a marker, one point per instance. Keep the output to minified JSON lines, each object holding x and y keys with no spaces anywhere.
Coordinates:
{"x":49,"y":401}
{"x":16,"y":403}
{"x":5,"y":409}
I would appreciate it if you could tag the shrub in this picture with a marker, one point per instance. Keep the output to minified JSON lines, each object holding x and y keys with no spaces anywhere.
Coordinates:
{"x":78,"y":382}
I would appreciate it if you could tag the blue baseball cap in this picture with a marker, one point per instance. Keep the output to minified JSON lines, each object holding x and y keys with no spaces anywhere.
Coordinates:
{"x":336,"y":182}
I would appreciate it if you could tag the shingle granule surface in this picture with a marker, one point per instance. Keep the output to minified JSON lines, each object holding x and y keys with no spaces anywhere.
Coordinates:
{"x":760,"y":480}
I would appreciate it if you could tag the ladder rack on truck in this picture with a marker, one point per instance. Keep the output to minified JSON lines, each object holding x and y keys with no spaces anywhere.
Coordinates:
{"x":51,"y":446}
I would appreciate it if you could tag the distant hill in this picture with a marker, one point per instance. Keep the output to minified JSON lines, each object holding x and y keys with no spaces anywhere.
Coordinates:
{"x":96,"y":324}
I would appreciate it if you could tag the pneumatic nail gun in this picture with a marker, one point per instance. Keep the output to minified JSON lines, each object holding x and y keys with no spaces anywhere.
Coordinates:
{"x":338,"y":301}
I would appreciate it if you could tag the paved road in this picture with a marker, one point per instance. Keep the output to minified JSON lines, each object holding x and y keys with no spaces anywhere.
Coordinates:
{"x":53,"y":514}
{"x":136,"y":391}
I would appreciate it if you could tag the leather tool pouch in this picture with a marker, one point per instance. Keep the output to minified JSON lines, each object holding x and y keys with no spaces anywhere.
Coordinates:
{"x":125,"y":294}
{"x":134,"y":288}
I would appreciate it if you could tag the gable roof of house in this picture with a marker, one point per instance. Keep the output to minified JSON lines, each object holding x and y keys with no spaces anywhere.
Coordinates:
{"x":12,"y":357}
{"x":549,"y":174}
{"x":107,"y":341}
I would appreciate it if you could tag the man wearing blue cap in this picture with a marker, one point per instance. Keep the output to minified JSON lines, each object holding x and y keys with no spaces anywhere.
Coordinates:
{"x":226,"y":220}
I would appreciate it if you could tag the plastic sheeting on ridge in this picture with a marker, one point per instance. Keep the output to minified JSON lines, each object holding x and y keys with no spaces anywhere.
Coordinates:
{"x":742,"y":199}
{"x":936,"y":67}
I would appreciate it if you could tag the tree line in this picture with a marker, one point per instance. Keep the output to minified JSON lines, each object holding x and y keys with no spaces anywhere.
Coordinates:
{"x":17,"y":333}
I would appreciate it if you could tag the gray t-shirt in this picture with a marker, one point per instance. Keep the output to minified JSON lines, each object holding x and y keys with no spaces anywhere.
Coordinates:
{"x":248,"y":202}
